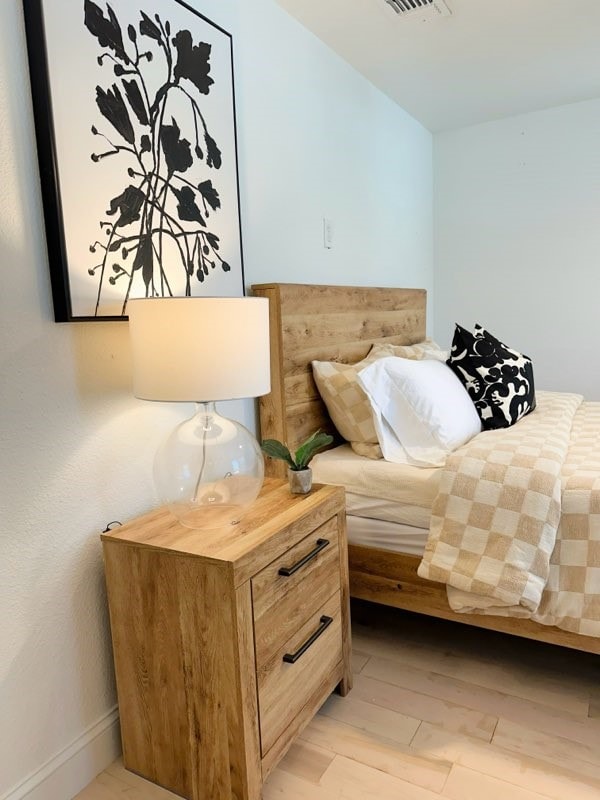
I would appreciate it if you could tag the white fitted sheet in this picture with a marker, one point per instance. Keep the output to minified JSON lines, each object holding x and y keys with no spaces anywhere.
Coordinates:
{"x":386,"y":535}
{"x":378,"y":489}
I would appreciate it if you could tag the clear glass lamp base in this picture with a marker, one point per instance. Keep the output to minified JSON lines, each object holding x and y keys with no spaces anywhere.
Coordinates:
{"x":209,"y":470}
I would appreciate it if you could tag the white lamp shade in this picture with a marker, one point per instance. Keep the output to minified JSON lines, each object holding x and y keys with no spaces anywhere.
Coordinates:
{"x":199,"y":348}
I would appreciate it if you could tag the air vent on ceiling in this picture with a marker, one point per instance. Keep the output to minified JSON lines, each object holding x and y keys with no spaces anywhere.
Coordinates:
{"x":433,"y":7}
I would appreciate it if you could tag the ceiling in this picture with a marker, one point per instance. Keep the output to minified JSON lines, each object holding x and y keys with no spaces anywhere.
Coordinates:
{"x":488,"y":59}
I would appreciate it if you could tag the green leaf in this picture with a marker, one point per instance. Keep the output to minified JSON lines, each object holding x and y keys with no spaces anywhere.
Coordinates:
{"x":311,"y":447}
{"x":275,"y":449}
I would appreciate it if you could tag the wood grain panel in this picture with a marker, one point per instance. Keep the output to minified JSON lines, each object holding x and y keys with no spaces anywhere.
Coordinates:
{"x":149,"y":666}
{"x":302,"y":720}
{"x":326,"y":323}
{"x":210,"y":680}
{"x":346,"y":682}
{"x":391,"y":579}
{"x":279,"y":700}
{"x":276,"y":521}
{"x":272,"y":422}
{"x":300,"y":388}
{"x":306,"y":418}
{"x":302,"y":332}
{"x":396,"y":566}
{"x":299,"y":384}
{"x":179,"y":683}
{"x":283,"y":603}
{"x":246,"y":701}
{"x":344,"y":351}
{"x":302,"y":298}
{"x":407,"y":595}
{"x":296,"y":523}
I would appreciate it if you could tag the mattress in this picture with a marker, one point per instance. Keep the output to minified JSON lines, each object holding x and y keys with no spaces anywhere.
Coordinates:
{"x":378,"y":489}
{"x":386,"y":535}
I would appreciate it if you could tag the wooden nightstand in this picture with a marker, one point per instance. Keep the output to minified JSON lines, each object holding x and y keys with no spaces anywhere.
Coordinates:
{"x":227,"y":642}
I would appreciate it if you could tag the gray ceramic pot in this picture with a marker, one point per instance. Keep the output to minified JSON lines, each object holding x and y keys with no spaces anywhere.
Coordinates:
{"x":300,"y":480}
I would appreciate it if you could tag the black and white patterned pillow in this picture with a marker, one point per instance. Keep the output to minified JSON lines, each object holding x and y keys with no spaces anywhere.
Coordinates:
{"x":498,"y":379}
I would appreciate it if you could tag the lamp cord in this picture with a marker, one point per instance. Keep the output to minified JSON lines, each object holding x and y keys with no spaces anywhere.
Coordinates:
{"x":110,"y":524}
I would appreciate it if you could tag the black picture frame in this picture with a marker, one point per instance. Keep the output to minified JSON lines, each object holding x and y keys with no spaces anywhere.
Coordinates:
{"x":163,"y":79}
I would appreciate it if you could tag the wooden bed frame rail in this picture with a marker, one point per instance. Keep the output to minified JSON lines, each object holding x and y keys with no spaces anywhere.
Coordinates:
{"x":391,"y":579}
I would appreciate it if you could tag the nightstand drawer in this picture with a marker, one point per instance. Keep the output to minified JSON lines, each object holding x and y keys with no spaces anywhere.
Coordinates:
{"x":283,"y":602}
{"x":295,"y":672}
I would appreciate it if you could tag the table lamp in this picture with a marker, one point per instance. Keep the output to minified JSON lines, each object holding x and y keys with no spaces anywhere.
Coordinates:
{"x":203,"y":349}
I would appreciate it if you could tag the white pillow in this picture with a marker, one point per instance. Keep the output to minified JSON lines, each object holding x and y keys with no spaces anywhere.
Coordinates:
{"x":422,"y":412}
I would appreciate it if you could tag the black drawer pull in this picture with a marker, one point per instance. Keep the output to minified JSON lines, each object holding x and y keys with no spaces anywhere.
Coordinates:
{"x":321,"y":545}
{"x":291,"y":658}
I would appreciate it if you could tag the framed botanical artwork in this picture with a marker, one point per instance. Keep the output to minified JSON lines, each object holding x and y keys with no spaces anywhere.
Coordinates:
{"x":135,"y":123}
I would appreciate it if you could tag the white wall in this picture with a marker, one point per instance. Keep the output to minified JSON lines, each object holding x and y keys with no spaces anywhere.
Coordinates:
{"x":315,"y":140}
{"x":517,"y":243}
{"x":319,"y":140}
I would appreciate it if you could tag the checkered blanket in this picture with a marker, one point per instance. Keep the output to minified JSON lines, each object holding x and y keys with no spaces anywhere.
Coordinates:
{"x":515,"y":528}
{"x":571,"y":599}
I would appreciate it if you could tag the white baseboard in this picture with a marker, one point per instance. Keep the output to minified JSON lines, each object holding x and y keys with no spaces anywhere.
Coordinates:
{"x":69,"y":771}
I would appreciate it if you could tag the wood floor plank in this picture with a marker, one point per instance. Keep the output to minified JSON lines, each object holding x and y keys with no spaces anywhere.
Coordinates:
{"x":549,"y":780}
{"x":475,"y":644}
{"x":466,"y":784}
{"x":358,"y":661}
{"x":375,"y":751}
{"x":440,"y":712}
{"x":142,"y":787}
{"x":381,"y":721}
{"x":108,"y":787}
{"x":351,"y":780}
{"x":479,"y":668}
{"x":95,"y":791}
{"x":552,"y":747}
{"x":594,"y":709}
{"x":488,"y":701}
{"x":306,"y":761}
{"x":281,"y":785}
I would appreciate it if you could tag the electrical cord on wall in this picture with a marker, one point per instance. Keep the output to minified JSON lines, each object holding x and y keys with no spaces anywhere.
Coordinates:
{"x":110,"y":524}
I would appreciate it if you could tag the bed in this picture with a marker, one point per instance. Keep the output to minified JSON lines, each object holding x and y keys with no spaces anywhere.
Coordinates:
{"x":341,"y":323}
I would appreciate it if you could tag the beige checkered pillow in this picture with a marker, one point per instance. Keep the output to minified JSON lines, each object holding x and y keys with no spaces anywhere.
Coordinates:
{"x":367,"y":449}
{"x":425,"y":349}
{"x":348,"y":405}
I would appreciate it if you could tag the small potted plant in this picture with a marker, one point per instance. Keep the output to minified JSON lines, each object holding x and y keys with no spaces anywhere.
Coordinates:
{"x":299,"y":473}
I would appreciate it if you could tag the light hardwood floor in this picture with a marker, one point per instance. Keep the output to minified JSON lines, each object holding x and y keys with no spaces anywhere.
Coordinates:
{"x":438,"y":710}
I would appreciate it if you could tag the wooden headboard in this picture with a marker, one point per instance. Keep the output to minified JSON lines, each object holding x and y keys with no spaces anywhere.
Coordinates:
{"x":325,"y":323}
